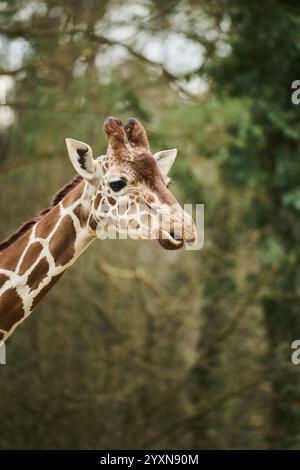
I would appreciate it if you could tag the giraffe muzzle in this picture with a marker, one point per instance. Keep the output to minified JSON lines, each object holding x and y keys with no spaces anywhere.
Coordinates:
{"x":180,"y":231}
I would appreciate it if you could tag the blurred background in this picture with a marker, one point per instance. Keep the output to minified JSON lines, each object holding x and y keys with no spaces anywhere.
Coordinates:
{"x":136,"y":347}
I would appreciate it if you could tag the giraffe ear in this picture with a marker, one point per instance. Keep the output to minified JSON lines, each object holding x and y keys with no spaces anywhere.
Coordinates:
{"x":165,"y":159}
{"x":81,"y":156}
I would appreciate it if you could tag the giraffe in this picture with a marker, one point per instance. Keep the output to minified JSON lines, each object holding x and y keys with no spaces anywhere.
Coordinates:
{"x":126,"y":189}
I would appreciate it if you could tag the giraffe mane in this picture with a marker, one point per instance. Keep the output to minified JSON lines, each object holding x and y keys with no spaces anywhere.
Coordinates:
{"x":30,"y":223}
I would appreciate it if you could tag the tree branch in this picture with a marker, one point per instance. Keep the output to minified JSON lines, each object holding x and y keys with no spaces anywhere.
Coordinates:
{"x":100,"y":39}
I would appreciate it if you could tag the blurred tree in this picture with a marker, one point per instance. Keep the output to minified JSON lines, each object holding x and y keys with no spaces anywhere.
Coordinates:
{"x":264,"y":40}
{"x":170,"y":353}
{"x":100,"y":375}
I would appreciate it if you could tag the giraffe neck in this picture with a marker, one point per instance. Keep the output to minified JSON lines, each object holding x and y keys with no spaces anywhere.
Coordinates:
{"x":31,"y":265}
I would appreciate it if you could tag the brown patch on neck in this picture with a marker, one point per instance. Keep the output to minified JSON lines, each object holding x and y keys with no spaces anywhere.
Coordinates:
{"x":11,"y":309}
{"x":30,"y":223}
{"x":62,"y":244}
{"x":10,"y":257}
{"x":45,"y":290}
{"x":62,"y":193}
{"x":74,"y":194}
{"x":3,"y":279}
{"x":82,"y":214}
{"x":47,"y":223}
{"x":38,"y":274}
{"x":30,"y":257}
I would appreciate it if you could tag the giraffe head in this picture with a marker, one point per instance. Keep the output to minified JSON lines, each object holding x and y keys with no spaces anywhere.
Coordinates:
{"x":129,"y":187}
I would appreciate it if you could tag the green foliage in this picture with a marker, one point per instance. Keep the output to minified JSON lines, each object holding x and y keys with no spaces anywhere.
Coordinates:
{"x":292,"y":199}
{"x":264,"y":39}
{"x":136,"y":347}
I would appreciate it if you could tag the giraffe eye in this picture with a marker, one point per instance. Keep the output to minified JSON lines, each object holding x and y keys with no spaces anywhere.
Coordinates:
{"x":118,"y":184}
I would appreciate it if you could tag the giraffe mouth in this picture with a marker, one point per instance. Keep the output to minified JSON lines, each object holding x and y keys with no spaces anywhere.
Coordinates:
{"x":169,"y":242}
